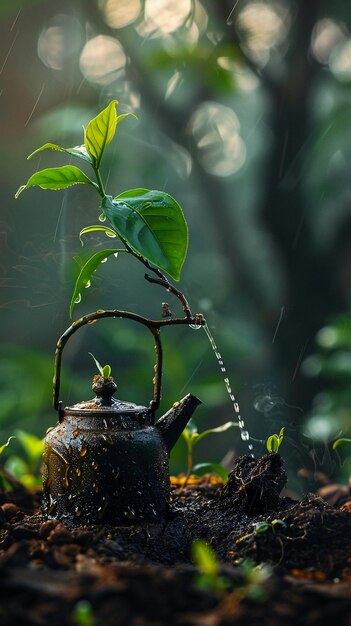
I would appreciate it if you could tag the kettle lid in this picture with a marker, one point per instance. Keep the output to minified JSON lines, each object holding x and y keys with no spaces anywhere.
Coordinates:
{"x":104,"y":403}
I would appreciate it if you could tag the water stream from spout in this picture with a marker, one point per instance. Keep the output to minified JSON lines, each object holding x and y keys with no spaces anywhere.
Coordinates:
{"x":244,"y":433}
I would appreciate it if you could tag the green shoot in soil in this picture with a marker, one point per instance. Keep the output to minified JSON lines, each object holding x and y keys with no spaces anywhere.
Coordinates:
{"x":191,"y":437}
{"x":274,"y":442}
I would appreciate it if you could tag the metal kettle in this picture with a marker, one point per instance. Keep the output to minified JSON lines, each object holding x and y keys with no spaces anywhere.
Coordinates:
{"x":107,"y":461}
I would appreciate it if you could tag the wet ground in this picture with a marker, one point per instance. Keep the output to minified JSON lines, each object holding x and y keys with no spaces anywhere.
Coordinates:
{"x":143,"y":574}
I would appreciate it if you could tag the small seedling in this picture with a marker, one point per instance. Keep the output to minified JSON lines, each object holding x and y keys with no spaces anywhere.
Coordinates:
{"x":274,"y":442}
{"x":341,"y":442}
{"x":83,"y":614}
{"x":4,"y":484}
{"x":205,"y":559}
{"x":27,"y":469}
{"x":263,"y":527}
{"x":191,"y":437}
{"x":105,"y":371}
{"x":2,"y":448}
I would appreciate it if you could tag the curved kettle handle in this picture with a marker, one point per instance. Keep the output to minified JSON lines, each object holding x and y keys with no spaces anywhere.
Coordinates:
{"x":154,"y":328}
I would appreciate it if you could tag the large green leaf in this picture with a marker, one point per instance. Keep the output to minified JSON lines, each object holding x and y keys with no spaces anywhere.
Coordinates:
{"x":153,"y":225}
{"x":56,"y":178}
{"x":85,"y":274}
{"x":100,"y":132}
{"x":78,"y":151}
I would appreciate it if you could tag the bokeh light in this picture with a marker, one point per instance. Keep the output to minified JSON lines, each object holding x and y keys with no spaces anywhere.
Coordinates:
{"x":325,"y":36}
{"x":340,"y":61}
{"x":102,"y":60}
{"x":60,"y":41}
{"x":215,"y":129}
{"x":120,"y":13}
{"x":262,"y":27}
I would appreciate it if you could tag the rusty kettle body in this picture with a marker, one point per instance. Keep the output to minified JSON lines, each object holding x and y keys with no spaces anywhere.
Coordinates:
{"x":107,"y":461}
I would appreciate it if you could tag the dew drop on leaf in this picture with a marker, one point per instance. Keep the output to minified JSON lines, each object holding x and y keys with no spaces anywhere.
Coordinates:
{"x":109,"y":233}
{"x":78,"y":299}
{"x":102,"y":217}
{"x":87,"y":285}
{"x":104,"y":260}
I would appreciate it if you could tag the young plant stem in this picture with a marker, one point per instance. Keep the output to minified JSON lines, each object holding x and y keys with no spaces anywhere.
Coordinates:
{"x":189,"y":464}
{"x":101,"y":187}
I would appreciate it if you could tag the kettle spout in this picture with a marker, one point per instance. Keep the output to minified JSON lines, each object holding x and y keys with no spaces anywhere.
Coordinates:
{"x":172,"y":423}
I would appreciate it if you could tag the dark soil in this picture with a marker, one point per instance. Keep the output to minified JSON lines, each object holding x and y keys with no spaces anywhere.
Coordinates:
{"x":140,"y":575}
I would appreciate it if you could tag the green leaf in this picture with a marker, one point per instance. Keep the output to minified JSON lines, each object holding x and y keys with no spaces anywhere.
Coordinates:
{"x":262,"y":527}
{"x":85,"y":274}
{"x":98,"y":365}
{"x":204,"y":468}
{"x":78,"y":151}
{"x":153,"y":225}
{"x":56,"y":178}
{"x":2,"y":448}
{"x":219,"y":429}
{"x":205,"y":558}
{"x":33,"y":446}
{"x":340,"y":442}
{"x":272,"y":443}
{"x":90,"y":229}
{"x":100,"y":132}
{"x":106,"y":371}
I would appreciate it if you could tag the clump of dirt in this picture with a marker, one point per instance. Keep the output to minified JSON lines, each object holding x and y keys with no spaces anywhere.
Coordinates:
{"x":42,"y":560}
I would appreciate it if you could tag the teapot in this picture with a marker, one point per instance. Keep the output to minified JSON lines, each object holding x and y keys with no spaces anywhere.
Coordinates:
{"x":107,"y":461}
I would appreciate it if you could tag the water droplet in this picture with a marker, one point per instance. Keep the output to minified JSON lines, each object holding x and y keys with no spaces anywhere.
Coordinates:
{"x":104,"y":260}
{"x":175,"y":404}
{"x":94,"y":465}
{"x":154,"y":380}
{"x":92,"y":321}
{"x":244,"y":433}
{"x":83,"y":450}
{"x":155,"y":368}
{"x":78,"y":299}
{"x":102,"y":217}
{"x":195,"y":326}
{"x":88,"y":284}
{"x":130,"y":513}
{"x":115,"y":255}
{"x":109,"y":233}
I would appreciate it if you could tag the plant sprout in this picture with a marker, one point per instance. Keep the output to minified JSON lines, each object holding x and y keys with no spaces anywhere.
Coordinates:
{"x":207,"y":564}
{"x":274,"y":442}
{"x":340,"y":442}
{"x":27,"y":469}
{"x":2,"y":448}
{"x":105,"y":371}
{"x":191,"y":436}
{"x":150,"y":224}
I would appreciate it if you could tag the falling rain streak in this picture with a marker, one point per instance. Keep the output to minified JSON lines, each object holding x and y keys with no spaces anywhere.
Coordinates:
{"x":245,"y":436}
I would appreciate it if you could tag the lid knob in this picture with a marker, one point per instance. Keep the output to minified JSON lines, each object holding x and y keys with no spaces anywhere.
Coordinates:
{"x":104,"y":388}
